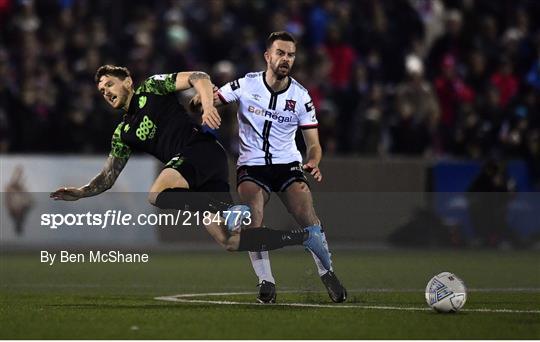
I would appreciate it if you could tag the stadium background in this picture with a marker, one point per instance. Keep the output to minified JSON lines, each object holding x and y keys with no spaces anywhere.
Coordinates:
{"x":412,"y":97}
{"x":429,"y":122}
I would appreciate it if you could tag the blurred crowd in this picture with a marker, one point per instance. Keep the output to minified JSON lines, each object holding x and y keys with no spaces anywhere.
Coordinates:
{"x":401,"y":77}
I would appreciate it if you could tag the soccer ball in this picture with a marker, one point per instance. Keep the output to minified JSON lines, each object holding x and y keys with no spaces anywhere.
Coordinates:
{"x":445,"y":292}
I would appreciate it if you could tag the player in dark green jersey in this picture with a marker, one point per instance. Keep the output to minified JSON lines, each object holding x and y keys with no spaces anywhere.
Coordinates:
{"x":155,"y":122}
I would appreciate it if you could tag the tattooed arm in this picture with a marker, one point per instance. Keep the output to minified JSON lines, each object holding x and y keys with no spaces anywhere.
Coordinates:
{"x":205,"y":89}
{"x":102,"y":182}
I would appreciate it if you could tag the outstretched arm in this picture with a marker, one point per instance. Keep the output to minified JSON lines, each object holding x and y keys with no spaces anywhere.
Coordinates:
{"x":230,"y":92}
{"x":201,"y":82}
{"x":102,"y":182}
{"x":195,"y":101}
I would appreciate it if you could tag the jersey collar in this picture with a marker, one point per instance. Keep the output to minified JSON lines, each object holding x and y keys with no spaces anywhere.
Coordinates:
{"x":272,"y":90}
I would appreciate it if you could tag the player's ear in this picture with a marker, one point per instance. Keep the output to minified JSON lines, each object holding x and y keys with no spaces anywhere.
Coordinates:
{"x":128,"y":82}
{"x":267,"y":56}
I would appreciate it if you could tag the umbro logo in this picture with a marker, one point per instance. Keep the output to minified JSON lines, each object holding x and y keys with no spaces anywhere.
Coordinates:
{"x":256,"y":97}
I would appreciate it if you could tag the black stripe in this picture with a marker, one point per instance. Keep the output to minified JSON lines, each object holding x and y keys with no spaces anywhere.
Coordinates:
{"x":266,"y":142}
{"x":264,"y":135}
{"x":273,"y":102}
{"x":274,"y":94}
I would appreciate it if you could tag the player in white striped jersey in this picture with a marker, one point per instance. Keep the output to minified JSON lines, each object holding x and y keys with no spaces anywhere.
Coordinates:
{"x":268,"y":119}
{"x":271,"y":107}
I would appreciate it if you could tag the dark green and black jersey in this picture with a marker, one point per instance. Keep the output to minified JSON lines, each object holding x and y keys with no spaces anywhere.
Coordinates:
{"x":156,"y":122}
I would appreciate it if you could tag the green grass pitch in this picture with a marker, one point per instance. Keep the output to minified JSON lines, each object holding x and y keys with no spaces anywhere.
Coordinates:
{"x":116,"y":301}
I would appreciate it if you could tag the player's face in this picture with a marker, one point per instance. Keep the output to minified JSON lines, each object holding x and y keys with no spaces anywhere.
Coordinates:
{"x":280,"y":57}
{"x":114,"y":90}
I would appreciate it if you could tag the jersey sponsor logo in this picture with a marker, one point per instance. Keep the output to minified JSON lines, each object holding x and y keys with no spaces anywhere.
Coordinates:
{"x":142,"y":101}
{"x":146,"y":129}
{"x":235,"y":85}
{"x":269,"y":115}
{"x":290,"y":105}
{"x":309,"y":106}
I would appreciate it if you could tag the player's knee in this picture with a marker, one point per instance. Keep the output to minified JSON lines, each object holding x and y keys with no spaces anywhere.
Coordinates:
{"x":303,"y":187}
{"x":152,"y":197}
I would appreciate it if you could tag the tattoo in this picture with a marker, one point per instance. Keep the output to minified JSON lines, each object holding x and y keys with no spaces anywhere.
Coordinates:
{"x":197,"y":75}
{"x":106,"y":178}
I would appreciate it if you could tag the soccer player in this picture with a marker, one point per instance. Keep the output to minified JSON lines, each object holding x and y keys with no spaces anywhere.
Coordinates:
{"x":271,"y":107}
{"x":155,"y":122}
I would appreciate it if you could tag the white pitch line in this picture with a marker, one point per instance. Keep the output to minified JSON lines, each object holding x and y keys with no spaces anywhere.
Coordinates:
{"x":188,"y":298}
{"x":301,"y":305}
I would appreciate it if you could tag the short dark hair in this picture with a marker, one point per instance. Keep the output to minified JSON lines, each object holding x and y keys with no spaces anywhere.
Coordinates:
{"x":111,"y":70}
{"x":279,"y":35}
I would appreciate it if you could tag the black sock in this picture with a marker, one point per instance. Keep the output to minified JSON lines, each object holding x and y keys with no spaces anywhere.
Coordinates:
{"x":266,"y":239}
{"x":184,"y":199}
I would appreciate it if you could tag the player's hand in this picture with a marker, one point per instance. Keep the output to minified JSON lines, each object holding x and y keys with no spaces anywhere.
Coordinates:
{"x":67,"y":194}
{"x":211,"y":117}
{"x":313,"y":170}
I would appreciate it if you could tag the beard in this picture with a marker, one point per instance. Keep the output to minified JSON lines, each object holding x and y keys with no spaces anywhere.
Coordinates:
{"x":280,"y":72}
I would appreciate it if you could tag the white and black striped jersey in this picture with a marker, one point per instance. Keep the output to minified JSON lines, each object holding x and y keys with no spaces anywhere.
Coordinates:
{"x":268,"y":120}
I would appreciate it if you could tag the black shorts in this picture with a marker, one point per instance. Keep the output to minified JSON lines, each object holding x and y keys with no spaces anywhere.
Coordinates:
{"x":272,"y":178}
{"x":203,"y":163}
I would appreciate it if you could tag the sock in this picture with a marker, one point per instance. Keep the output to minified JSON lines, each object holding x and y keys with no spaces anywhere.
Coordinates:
{"x":184,"y":199}
{"x":261,"y":265}
{"x":320,"y":268}
{"x":266,"y":239}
